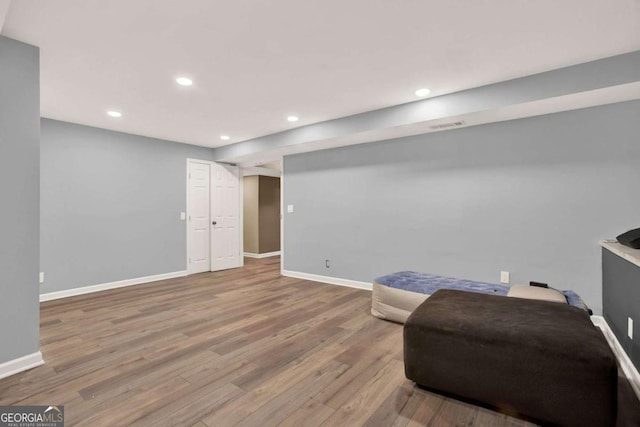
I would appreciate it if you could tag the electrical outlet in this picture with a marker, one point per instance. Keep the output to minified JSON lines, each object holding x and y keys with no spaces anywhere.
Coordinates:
{"x":289,"y":208}
{"x":326,"y":263}
{"x":41,"y":277}
{"x":504,"y":277}
{"x":630,"y":327}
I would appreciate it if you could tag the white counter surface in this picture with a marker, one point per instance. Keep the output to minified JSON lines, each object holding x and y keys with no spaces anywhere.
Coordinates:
{"x":630,"y":254}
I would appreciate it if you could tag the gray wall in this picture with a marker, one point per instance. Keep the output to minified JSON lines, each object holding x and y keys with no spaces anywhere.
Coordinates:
{"x":621,"y":288}
{"x":111,"y":205}
{"x":531,"y":196}
{"x":19,"y":189}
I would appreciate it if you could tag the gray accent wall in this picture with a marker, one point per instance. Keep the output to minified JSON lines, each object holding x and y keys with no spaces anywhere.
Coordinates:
{"x":621,"y":289}
{"x":531,"y":196}
{"x":19,"y":189}
{"x":111,"y":205}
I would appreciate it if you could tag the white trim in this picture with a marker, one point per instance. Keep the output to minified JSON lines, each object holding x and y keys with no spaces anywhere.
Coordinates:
{"x":20,"y":364}
{"x":186,"y":219}
{"x":264,"y":255}
{"x":330,"y":280}
{"x":627,"y":366}
{"x":282,"y":217}
{"x":241,"y":216}
{"x":111,"y":285}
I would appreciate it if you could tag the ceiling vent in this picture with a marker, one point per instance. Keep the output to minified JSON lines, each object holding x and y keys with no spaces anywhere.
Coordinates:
{"x":448,"y":125}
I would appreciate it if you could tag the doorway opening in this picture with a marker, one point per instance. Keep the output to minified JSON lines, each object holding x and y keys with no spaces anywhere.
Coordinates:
{"x":262,"y":211}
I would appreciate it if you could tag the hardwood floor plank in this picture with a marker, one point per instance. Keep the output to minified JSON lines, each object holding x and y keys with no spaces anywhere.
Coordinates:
{"x":281,"y":356}
{"x":390,"y":409}
{"x":224,"y":373}
{"x":237,"y":347}
{"x":126,"y":411}
{"x":263,"y":393}
{"x":286,"y":402}
{"x":453,"y":413}
{"x":357,"y":409}
{"x":189,"y":409}
{"x":357,"y":377}
{"x":429,"y":406}
{"x":124,"y":379}
{"x":407,"y":412}
{"x":312,"y":413}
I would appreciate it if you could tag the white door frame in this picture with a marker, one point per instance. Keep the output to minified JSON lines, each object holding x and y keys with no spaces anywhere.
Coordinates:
{"x":240,"y":213}
{"x":282,"y":212}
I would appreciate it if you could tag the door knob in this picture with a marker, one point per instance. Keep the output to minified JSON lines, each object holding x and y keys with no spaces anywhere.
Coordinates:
{"x":214,"y":223}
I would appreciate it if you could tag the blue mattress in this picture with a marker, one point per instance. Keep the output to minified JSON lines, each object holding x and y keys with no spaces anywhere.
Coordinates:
{"x":429,"y":283}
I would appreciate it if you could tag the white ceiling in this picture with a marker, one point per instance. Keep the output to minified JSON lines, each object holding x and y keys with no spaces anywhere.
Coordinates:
{"x":256,"y":61}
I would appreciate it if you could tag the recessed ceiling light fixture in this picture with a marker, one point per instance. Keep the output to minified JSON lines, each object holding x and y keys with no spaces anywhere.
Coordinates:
{"x":292,"y":118}
{"x":184,"y":81}
{"x":225,"y":137}
{"x":113,"y":113}
{"x":423,"y":92}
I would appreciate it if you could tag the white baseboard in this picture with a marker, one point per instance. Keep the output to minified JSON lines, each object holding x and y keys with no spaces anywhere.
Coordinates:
{"x":20,"y":364}
{"x":331,"y":280}
{"x":111,"y":285}
{"x":264,"y":255}
{"x":627,"y":366}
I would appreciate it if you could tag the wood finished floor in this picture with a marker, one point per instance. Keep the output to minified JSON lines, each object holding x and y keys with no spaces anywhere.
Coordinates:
{"x":243,"y":347}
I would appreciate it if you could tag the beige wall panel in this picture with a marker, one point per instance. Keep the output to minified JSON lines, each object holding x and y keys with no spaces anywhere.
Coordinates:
{"x":250,"y":214}
{"x":269,"y":214}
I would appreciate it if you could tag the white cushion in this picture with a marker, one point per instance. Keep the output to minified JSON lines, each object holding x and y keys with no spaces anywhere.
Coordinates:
{"x":536,"y":292}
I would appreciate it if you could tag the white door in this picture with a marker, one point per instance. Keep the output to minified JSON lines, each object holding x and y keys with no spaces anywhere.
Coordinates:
{"x":199,"y":218}
{"x":225,"y":217}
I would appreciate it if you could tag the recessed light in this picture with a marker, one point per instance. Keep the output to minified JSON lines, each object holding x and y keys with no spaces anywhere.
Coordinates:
{"x":292,"y":118}
{"x":225,"y":137}
{"x":114,"y":113}
{"x":423,"y":92}
{"x":184,"y":81}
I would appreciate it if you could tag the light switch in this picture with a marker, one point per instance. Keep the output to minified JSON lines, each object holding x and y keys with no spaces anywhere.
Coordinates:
{"x":290,"y":208}
{"x":183,"y":216}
